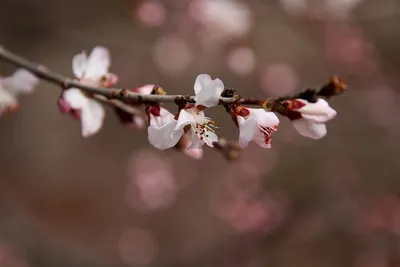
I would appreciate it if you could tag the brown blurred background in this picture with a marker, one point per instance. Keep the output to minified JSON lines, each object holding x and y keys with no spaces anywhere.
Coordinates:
{"x":113,"y":200}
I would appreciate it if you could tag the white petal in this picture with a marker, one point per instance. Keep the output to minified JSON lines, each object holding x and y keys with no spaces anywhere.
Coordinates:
{"x":196,"y":142}
{"x":145,"y":89}
{"x":264,"y":118}
{"x":200,"y":82}
{"x":318,"y":112}
{"x":6,"y":100}
{"x":166,"y":115}
{"x":79,"y":65}
{"x":164,"y":137}
{"x":184,"y":119}
{"x":310,"y":129}
{"x":209,"y":93}
{"x":98,"y":63}
{"x":75,"y":98}
{"x":247,"y":130}
{"x":164,"y":118}
{"x":259,"y":139}
{"x":212,"y":137}
{"x":22,"y":81}
{"x":92,"y":117}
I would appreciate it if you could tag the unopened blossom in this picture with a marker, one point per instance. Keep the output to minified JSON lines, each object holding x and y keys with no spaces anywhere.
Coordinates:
{"x":90,"y":70}
{"x":255,"y":125}
{"x":309,"y":118}
{"x":191,"y":119}
{"x":20,"y":82}
{"x":134,"y":121}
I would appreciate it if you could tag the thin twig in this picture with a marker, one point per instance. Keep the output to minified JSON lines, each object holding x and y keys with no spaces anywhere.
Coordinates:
{"x":110,"y":96}
{"x":110,"y":93}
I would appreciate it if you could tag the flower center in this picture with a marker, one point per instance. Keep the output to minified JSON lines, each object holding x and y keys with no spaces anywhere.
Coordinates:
{"x":202,"y":129}
{"x":267,"y":132}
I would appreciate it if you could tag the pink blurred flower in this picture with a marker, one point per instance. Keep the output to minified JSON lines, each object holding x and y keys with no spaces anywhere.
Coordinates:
{"x":384,"y":214}
{"x":341,"y":8}
{"x":345,"y":46}
{"x":153,"y":184}
{"x":137,"y":246}
{"x":172,"y":55}
{"x":241,"y":60}
{"x":240,"y":202}
{"x":151,"y":13}
{"x":226,"y":18}
{"x":279,"y":79}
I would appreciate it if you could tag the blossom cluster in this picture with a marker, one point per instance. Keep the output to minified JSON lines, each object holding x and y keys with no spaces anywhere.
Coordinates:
{"x":189,"y":129}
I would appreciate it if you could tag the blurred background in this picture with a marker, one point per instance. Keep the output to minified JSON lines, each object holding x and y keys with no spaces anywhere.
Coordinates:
{"x":113,"y":200}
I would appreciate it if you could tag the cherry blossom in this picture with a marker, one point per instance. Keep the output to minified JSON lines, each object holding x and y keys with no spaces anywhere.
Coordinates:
{"x":90,"y":70}
{"x":309,"y":118}
{"x":168,"y":130}
{"x":20,"y":82}
{"x":255,"y":125}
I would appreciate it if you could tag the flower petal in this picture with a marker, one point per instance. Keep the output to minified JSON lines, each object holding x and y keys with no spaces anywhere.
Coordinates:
{"x":165,"y":136}
{"x":184,"y":119}
{"x":75,"y":98}
{"x":7,"y":100}
{"x":22,"y":81}
{"x":98,"y":63}
{"x":318,"y":112}
{"x":310,"y":129}
{"x":264,"y":118}
{"x":164,"y":118}
{"x":200,"y":82}
{"x":247,"y":128}
{"x":79,"y":65}
{"x":145,"y":89}
{"x":196,"y":142}
{"x":210,"y":91}
{"x":92,"y":118}
{"x":110,"y":79}
{"x":212,"y":137}
{"x":259,"y":139}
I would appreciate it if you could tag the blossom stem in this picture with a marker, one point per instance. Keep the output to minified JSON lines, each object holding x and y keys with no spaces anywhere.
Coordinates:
{"x":114,"y":93}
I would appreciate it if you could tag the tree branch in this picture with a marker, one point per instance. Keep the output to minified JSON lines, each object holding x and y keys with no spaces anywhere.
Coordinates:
{"x":113,"y":97}
{"x":110,"y":93}
{"x":124,"y":99}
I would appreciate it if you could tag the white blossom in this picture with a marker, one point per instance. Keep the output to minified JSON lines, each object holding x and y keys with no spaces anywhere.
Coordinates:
{"x":90,"y":70}
{"x":191,"y":119}
{"x":312,"y":117}
{"x":256,"y":125}
{"x":20,"y":82}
